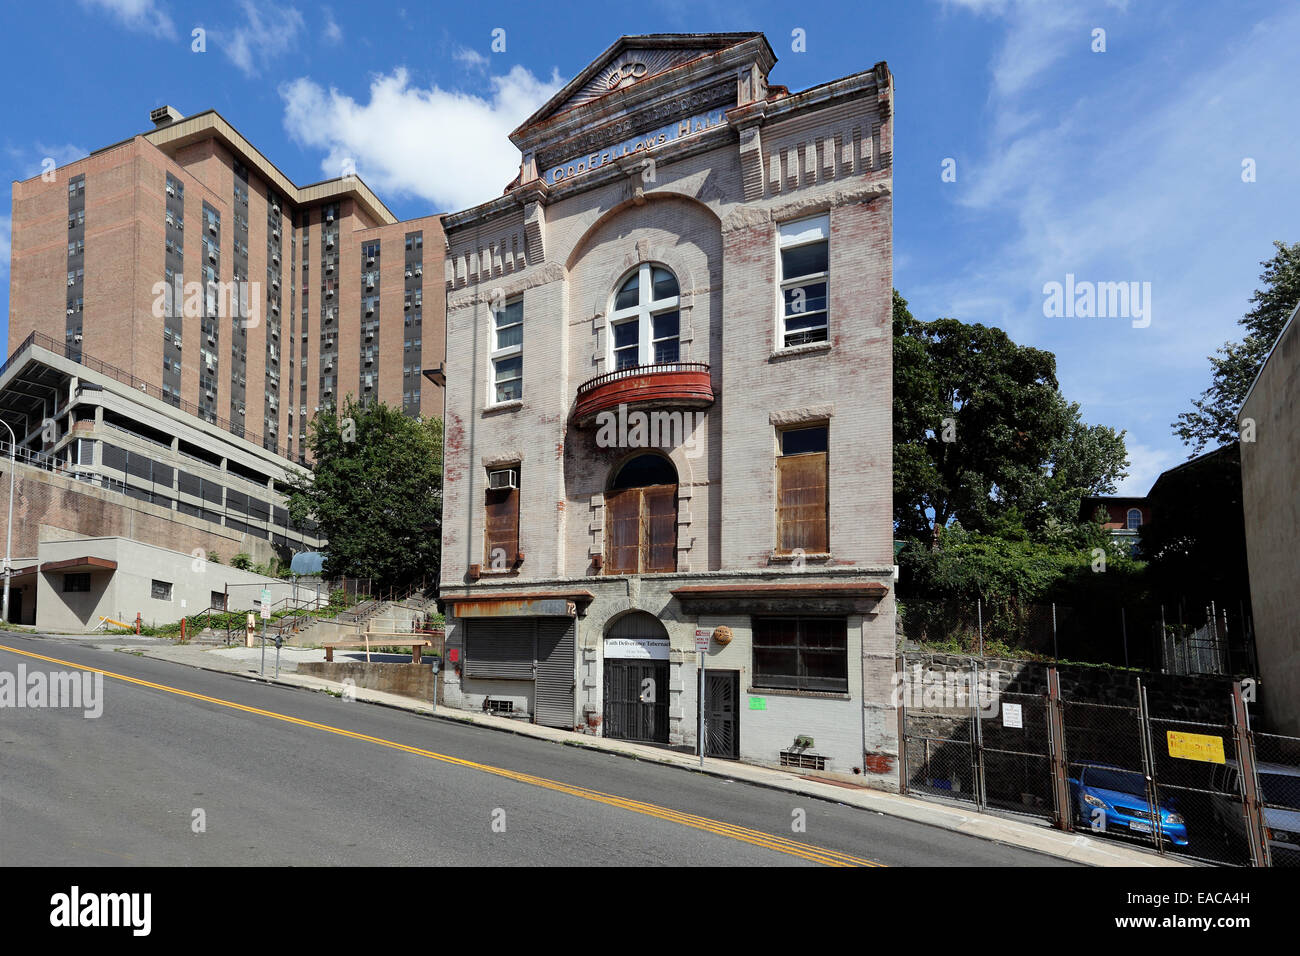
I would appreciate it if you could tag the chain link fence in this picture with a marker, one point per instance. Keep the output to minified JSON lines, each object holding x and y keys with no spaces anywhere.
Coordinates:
{"x":1210,"y":791}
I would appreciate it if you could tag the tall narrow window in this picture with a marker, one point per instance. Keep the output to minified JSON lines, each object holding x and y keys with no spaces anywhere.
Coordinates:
{"x":641,"y":517}
{"x":805,"y":267}
{"x":644,"y":320}
{"x":507,"y":352}
{"x":501,"y":525}
{"x":802,"y":513}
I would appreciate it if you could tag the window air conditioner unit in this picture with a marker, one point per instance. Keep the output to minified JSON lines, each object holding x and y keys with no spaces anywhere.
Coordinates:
{"x":241,"y":409}
{"x":328,"y":391}
{"x":329,"y":293}
{"x":212,"y":256}
{"x":503,"y":478}
{"x":370,"y":260}
{"x":209,"y":394}
{"x":71,"y":311}
{"x":171,"y":190}
{"x":408,"y":273}
{"x":71,"y":283}
{"x":212,"y":228}
{"x":370,"y":360}
{"x":329,"y":216}
{"x":370,"y":310}
{"x":370,"y":334}
{"x":275,"y":233}
{"x":407,"y":306}
{"x":370,"y":284}
{"x":419,"y":271}
{"x":76,"y":338}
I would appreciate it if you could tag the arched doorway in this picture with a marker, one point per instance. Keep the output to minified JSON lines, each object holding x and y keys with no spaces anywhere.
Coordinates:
{"x":636,"y":679}
{"x":641,"y":517}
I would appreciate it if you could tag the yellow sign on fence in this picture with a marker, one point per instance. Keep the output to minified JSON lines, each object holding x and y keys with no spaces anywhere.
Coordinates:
{"x":1195,"y":746}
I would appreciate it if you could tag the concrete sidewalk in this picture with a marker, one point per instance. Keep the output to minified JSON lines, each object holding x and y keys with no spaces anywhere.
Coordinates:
{"x":1026,"y":833}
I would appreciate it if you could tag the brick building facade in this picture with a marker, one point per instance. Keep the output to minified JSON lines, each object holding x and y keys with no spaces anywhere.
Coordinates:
{"x":184,"y":258}
{"x":669,"y":412}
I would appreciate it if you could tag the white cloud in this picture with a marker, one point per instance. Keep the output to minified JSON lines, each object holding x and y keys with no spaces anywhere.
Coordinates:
{"x":1146,"y":464}
{"x":333,"y":33}
{"x":268,"y":32}
{"x":32,"y":160}
{"x":471,"y":58}
{"x":1124,"y":166}
{"x":142,"y":15}
{"x":444,"y":146}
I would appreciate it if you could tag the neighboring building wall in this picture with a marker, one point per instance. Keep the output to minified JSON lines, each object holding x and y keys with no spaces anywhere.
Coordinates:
{"x":1270,"y":480}
{"x":49,"y":506}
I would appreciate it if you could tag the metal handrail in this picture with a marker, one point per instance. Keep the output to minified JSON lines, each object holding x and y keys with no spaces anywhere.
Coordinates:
{"x":634,"y":370}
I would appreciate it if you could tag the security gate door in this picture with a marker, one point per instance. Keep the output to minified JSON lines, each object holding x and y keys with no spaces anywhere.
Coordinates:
{"x":540,"y":650}
{"x":636,"y":700}
{"x":555,"y":673}
{"x":721,"y":714}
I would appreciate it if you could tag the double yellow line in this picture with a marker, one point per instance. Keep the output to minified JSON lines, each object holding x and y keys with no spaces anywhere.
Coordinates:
{"x":744,"y":834}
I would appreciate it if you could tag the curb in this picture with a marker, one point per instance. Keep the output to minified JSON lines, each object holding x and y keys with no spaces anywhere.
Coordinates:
{"x":1066,"y":851}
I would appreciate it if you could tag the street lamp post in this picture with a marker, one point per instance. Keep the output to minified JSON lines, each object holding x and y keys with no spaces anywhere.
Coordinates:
{"x":9,"y":525}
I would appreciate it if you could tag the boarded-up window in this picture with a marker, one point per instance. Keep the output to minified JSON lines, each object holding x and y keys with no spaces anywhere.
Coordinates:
{"x":801,"y":653}
{"x":502,"y":527}
{"x":641,"y":522}
{"x":802,"y":511}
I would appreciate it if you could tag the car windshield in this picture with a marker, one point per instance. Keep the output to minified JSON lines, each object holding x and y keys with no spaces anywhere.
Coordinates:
{"x":1280,"y":790}
{"x":1121,"y":781}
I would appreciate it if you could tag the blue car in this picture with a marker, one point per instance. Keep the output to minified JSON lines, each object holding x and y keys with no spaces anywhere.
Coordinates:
{"x":1113,"y":800}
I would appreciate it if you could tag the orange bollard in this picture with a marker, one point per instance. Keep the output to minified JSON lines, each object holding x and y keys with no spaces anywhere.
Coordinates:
{"x":182,"y":630}
{"x":137,"y":622}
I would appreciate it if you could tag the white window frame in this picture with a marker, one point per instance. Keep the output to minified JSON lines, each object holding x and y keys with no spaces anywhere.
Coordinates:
{"x":643,"y":313}
{"x":791,"y":235}
{"x":1129,"y":524}
{"x":496,"y":354}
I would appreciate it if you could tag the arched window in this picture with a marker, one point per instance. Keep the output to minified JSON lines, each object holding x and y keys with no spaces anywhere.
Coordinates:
{"x":643,"y":318}
{"x":641,"y":517}
{"x":1134,"y":519}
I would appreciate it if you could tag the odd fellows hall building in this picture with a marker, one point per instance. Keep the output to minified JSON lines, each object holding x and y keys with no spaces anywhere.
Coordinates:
{"x":668,"y":413}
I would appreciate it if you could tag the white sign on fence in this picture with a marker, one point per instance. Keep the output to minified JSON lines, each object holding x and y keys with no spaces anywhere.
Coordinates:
{"x":1011,"y":716}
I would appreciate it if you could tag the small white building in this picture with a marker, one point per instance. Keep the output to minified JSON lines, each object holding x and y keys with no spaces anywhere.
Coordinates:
{"x":78,"y":582}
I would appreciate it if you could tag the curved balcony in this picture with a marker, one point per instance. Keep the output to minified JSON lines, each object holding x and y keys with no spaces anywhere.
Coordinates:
{"x":672,"y":385}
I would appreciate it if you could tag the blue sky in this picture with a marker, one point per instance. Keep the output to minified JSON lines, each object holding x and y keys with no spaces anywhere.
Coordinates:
{"x":1115,"y":166}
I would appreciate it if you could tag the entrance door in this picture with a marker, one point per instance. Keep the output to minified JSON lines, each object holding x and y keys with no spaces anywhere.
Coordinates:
{"x":722,"y":714}
{"x":636,"y":700}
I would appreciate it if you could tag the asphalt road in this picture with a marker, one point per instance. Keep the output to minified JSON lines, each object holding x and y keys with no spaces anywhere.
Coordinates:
{"x":342,"y":782}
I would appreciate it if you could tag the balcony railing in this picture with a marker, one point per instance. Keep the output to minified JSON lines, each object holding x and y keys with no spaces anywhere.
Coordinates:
{"x":670,"y":384}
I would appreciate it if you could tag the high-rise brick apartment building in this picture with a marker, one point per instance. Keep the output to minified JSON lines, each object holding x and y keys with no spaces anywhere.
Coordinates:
{"x":179,"y":311}
{"x":669,"y":412}
{"x":186,"y":259}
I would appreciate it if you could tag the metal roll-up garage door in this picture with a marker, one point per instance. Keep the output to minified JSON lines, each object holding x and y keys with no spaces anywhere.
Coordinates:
{"x":555,"y":672}
{"x":500,"y":648}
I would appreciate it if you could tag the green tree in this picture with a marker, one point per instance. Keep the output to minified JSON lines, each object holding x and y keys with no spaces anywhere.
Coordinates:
{"x":982,"y":434}
{"x":375,"y":493}
{"x":1213,"y":418}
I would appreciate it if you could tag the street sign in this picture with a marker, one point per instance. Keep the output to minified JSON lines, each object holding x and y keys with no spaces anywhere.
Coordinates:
{"x":266,"y":603}
{"x":702,"y":636}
